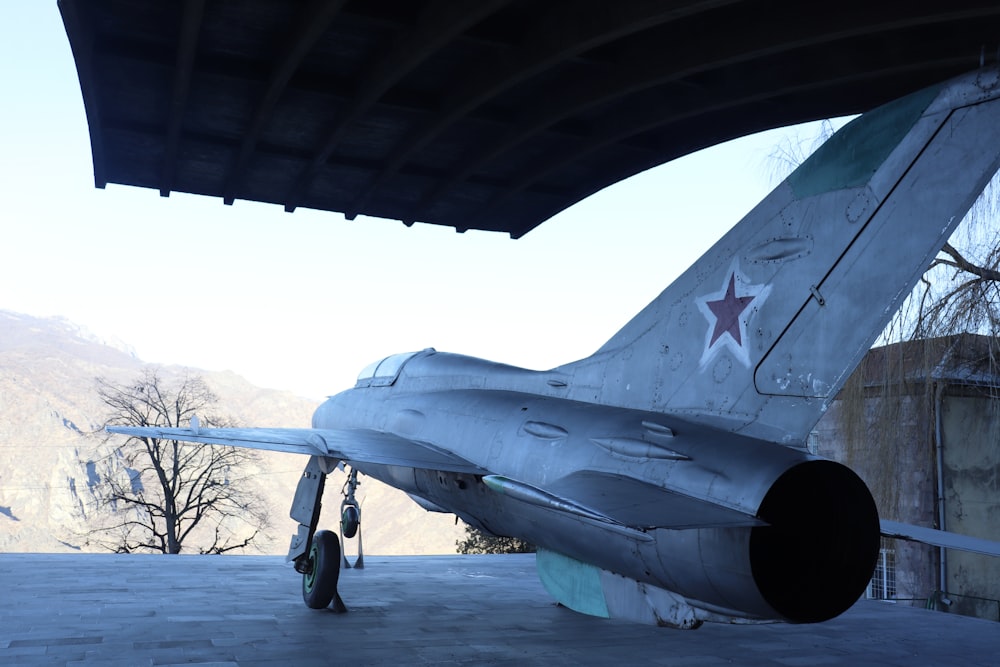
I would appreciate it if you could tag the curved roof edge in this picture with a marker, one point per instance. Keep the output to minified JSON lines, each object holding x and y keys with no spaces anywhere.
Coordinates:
{"x":492,"y":115}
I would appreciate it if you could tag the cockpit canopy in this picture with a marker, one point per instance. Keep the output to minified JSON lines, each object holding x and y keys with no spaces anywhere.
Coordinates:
{"x":384,"y":372}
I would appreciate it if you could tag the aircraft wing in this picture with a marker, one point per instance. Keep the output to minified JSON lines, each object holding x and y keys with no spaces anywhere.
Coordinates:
{"x":939,"y":538}
{"x":351,"y":445}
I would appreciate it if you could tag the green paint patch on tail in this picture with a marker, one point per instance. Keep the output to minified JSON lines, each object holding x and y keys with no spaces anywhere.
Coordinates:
{"x":850,"y":157}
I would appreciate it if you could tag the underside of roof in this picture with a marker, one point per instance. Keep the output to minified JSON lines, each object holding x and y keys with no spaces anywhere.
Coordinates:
{"x":478,"y":114}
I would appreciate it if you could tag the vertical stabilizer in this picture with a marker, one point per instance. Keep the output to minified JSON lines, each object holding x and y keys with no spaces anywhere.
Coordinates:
{"x":763,"y":330}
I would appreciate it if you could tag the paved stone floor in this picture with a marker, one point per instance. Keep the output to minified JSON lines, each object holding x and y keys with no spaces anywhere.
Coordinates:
{"x":406,"y":610}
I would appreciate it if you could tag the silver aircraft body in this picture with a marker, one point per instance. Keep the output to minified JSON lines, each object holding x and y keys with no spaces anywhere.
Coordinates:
{"x":665,"y":478}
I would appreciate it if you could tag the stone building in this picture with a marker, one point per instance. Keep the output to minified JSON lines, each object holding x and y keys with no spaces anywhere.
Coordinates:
{"x":920,"y":422}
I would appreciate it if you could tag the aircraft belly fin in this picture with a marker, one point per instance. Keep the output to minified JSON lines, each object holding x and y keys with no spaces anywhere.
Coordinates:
{"x":351,"y":445}
{"x":939,"y":538}
{"x":587,"y":589}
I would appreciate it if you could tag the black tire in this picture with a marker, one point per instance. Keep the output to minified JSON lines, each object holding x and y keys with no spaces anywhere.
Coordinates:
{"x":350,"y":521}
{"x":320,"y":586}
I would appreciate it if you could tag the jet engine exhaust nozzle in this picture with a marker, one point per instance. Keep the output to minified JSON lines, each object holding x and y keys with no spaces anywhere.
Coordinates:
{"x":816,"y":556}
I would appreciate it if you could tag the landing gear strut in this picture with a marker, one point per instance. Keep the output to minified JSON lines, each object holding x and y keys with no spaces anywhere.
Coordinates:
{"x":316,"y":554}
{"x":350,"y":521}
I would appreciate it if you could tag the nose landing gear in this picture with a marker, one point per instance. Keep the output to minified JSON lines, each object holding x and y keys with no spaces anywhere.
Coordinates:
{"x":350,"y":521}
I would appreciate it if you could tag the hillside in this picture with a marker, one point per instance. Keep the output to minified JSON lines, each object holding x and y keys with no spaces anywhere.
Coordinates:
{"x":48,"y":403}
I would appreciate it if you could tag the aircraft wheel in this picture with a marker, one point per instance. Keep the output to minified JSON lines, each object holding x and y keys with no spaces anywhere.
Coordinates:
{"x":319,"y":587}
{"x":350,"y":521}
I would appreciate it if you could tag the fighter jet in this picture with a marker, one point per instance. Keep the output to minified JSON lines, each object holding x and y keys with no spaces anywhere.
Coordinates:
{"x":665,"y":478}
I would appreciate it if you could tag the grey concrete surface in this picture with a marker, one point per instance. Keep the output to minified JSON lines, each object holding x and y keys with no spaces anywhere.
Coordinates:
{"x":407,"y":610}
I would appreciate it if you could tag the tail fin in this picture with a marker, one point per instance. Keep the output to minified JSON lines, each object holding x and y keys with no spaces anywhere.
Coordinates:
{"x":763,"y":330}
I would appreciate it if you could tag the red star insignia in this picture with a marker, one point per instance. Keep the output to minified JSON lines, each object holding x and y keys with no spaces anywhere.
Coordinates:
{"x":727,"y":311}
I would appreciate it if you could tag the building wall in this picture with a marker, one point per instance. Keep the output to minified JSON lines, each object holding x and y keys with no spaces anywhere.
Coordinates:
{"x":890,"y":441}
{"x":890,"y":451}
{"x":971,"y":455}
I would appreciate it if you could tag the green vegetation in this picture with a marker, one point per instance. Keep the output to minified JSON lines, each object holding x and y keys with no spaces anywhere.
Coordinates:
{"x":478,"y":542}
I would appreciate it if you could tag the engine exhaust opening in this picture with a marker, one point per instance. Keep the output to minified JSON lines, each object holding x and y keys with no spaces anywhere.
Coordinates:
{"x":816,"y":557}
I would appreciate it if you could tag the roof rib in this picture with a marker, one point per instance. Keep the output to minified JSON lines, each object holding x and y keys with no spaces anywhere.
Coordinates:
{"x":491,"y":115}
{"x":312,"y":22}
{"x":562,"y":33}
{"x":186,"y":46}
{"x":698,"y":103}
{"x":440,"y":23}
{"x":645,"y":66}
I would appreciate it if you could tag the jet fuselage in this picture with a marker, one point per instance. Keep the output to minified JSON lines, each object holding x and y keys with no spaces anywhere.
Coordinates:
{"x":641,"y":494}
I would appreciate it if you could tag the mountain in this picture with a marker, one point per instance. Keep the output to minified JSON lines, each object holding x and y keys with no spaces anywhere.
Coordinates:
{"x":49,"y":404}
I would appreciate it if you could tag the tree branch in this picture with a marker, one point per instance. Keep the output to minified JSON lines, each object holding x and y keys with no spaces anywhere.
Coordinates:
{"x":961,"y":263}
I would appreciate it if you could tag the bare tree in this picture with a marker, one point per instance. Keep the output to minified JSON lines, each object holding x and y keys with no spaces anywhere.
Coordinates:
{"x":159,"y":495}
{"x":960,"y":291}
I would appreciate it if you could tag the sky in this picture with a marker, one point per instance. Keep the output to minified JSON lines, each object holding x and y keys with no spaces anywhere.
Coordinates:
{"x":303,"y":301}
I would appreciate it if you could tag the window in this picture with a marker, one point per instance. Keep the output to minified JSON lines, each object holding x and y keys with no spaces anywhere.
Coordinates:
{"x":883,"y":583}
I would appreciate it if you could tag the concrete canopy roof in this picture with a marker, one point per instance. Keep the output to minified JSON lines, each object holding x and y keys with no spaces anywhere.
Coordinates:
{"x":485,"y":114}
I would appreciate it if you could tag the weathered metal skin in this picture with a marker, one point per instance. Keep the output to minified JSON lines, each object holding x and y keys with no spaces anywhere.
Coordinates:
{"x":503,"y":432}
{"x":707,"y":395}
